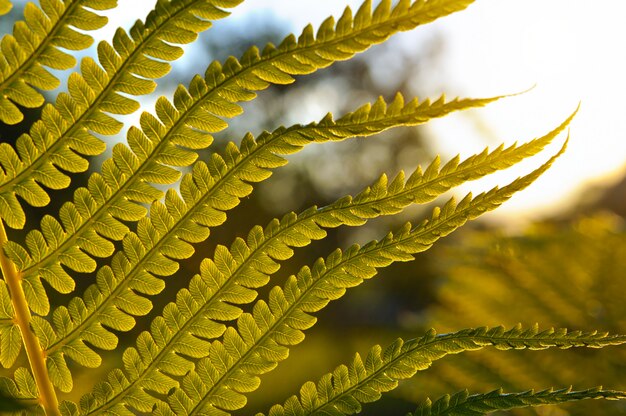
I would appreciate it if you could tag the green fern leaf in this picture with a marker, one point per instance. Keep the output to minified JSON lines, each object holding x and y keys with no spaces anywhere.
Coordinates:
{"x":343,"y":391}
{"x":196,"y":111}
{"x":208,"y":348}
{"x":66,"y":129}
{"x":128,"y":174}
{"x":22,"y":387}
{"x":82,"y":233}
{"x":10,"y":338}
{"x":262,"y":338}
{"x":231,"y":277}
{"x":35,"y":44}
{"x":206,"y":192}
{"x":480,"y":404}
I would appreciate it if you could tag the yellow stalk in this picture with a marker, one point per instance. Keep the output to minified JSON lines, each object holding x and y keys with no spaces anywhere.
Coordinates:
{"x":36,"y":354}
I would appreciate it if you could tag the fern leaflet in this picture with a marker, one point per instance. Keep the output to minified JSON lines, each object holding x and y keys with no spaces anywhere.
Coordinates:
{"x":35,"y":43}
{"x":480,"y":404}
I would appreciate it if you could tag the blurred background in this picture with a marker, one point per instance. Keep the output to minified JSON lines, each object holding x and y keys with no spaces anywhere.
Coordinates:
{"x":555,"y":254}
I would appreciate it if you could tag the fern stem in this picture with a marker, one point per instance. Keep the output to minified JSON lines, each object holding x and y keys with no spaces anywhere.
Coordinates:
{"x":36,"y":354}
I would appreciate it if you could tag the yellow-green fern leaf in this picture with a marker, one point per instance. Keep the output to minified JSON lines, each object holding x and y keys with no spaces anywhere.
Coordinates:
{"x":185,"y":124}
{"x":263,"y":337}
{"x":100,"y":212}
{"x":214,"y":96}
{"x":166,"y":236}
{"x":88,"y":222}
{"x":22,"y":386}
{"x":161,"y":239}
{"x":232,"y":276}
{"x":463,"y":403}
{"x":35,"y":44}
{"x":66,"y":131}
{"x":343,"y":391}
{"x":198,"y":111}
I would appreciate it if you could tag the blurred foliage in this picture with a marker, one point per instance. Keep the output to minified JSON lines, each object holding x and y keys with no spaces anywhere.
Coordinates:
{"x":568,"y":274}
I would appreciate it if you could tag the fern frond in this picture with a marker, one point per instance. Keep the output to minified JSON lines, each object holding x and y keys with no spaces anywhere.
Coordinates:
{"x":164,"y":237}
{"x":262,"y":339}
{"x":231,"y":277}
{"x":65,"y":132}
{"x":99,"y":211}
{"x":196,"y":111}
{"x":480,"y":404}
{"x":344,"y":390}
{"x":35,"y":45}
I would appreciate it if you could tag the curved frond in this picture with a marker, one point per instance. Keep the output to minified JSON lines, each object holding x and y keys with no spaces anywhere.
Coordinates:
{"x":165,"y":237}
{"x":343,"y":391}
{"x":66,"y":130}
{"x":262,"y":339}
{"x":99,"y":211}
{"x":35,"y":44}
{"x":232,"y":276}
{"x":463,"y":403}
{"x":195,"y":113}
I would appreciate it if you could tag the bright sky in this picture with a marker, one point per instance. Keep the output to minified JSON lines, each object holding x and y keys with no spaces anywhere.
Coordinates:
{"x":572,"y":50}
